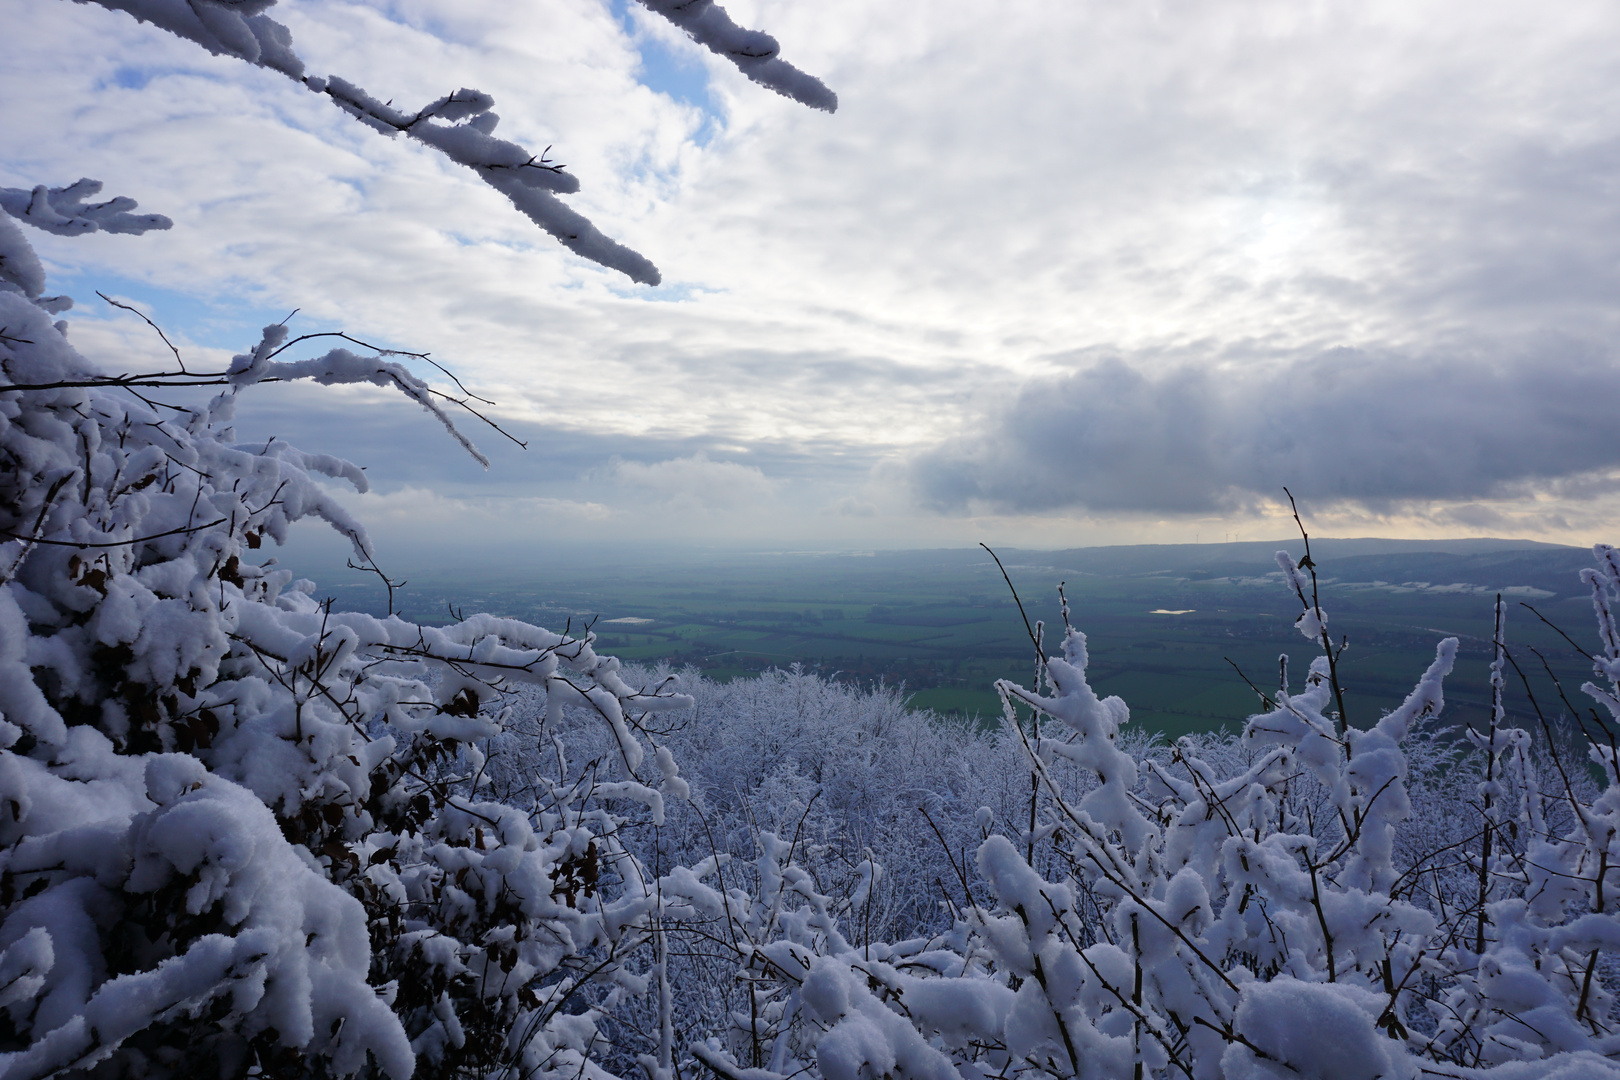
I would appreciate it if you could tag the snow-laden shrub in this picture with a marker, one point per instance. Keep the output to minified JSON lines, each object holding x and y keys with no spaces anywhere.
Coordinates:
{"x":847,"y":772}
{"x":848,"y":775}
{"x":1243,"y":910}
{"x":237,"y":827}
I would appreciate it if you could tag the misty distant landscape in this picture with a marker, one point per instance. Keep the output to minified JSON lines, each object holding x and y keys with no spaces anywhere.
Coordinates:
{"x":1169,"y":625}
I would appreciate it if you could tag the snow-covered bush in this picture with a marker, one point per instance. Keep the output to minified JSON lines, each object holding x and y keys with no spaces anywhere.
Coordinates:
{"x":242,"y":833}
{"x":1248,"y":914}
{"x":239,"y":827}
{"x":848,"y":775}
{"x":846,"y":771}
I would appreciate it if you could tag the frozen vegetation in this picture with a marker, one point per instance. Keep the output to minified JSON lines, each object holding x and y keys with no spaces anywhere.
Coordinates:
{"x":245,"y":834}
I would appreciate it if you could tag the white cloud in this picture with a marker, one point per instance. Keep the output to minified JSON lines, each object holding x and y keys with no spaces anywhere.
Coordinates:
{"x":1212,"y":195}
{"x":696,"y":483}
{"x":850,"y":506}
{"x":417,"y":508}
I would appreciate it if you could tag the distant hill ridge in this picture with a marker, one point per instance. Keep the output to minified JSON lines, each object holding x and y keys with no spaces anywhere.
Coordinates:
{"x":1488,"y":562}
{"x":1145,"y":558}
{"x":1483,"y":561}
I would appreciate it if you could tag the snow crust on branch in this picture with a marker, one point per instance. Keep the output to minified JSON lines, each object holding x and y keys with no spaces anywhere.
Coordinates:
{"x":458,"y":125}
{"x":754,"y":53}
{"x":61,"y":211}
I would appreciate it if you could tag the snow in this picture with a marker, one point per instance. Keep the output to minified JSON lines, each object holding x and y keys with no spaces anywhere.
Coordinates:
{"x":244,"y":832}
{"x":1308,"y":1029}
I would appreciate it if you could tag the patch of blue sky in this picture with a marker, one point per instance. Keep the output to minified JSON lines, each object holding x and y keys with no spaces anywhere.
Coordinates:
{"x":674,"y":292}
{"x":677,"y":73}
{"x":133,"y":78}
{"x":138,"y":76}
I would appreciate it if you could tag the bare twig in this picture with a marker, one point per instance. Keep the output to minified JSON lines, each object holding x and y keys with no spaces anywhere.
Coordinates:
{"x":114,"y":543}
{"x":1315,"y":605}
{"x":148,"y":322}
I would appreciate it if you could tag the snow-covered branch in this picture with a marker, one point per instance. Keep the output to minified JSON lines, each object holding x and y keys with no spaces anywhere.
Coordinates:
{"x":458,"y":125}
{"x":754,"y":53}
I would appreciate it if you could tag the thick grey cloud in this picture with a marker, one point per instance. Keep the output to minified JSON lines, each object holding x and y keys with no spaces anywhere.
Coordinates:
{"x":1345,"y":425}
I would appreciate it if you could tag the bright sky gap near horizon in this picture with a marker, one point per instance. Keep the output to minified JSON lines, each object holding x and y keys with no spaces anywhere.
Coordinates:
{"x":1055,"y":274}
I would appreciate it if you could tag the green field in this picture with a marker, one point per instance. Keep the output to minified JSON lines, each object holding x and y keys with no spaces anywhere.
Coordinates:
{"x":1169,"y":627}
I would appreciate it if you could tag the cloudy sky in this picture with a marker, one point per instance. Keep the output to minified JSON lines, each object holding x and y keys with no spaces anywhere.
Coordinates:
{"x":1058,"y":272}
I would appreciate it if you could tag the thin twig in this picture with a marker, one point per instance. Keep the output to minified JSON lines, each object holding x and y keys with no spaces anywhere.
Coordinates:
{"x":148,"y":322}
{"x":1316,"y":605}
{"x":114,"y":543}
{"x":1030,"y":630}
